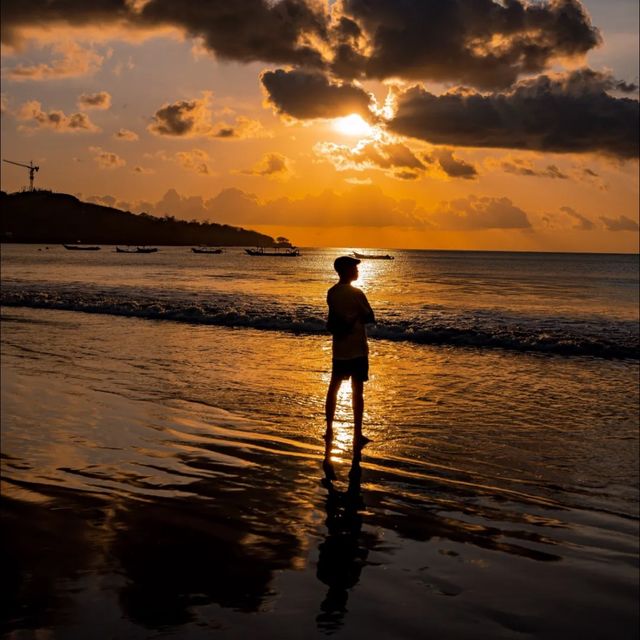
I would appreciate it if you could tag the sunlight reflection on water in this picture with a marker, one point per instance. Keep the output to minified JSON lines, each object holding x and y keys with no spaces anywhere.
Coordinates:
{"x":182,"y":462}
{"x":203,"y":445}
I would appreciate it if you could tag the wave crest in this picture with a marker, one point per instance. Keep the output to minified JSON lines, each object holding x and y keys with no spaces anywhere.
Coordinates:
{"x":560,"y":336}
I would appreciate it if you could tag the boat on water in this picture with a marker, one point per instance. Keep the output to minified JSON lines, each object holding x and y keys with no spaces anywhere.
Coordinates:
{"x":136,"y":250}
{"x":206,"y":250}
{"x":372,"y":256}
{"x":288,"y":252}
{"x":80,"y":247}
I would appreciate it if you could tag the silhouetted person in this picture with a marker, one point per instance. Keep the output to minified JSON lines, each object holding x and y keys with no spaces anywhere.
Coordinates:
{"x":342,"y":555}
{"x":349,"y":312}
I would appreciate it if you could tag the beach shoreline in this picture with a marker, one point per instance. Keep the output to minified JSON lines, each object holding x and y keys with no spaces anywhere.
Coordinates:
{"x":154,"y":499}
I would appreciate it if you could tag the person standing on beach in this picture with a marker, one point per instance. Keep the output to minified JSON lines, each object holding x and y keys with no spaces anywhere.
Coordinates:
{"x":349,"y":312}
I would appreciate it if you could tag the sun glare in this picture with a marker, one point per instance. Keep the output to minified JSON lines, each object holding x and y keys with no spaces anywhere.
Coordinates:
{"x":353,"y":125}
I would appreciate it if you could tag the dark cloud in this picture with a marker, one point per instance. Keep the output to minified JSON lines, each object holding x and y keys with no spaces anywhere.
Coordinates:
{"x":272,"y":165}
{"x":625,"y":87}
{"x":621,"y":223}
{"x":406,"y":174}
{"x":242,"y":30}
{"x":521,"y":169}
{"x":482,"y":43}
{"x":582,"y":223}
{"x":225,"y":132}
{"x":15,"y":14}
{"x":99,"y":100}
{"x":552,"y":171}
{"x":309,"y":94}
{"x":385,"y":156}
{"x":399,"y":155}
{"x":453,"y":167}
{"x":193,"y":119}
{"x":248,"y":30}
{"x":569,"y":113}
{"x":184,"y":118}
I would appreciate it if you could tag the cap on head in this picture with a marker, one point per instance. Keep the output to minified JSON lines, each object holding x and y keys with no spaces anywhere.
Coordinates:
{"x":343,"y":263}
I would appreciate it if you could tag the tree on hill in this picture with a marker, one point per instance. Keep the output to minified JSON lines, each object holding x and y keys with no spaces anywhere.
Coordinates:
{"x":43,"y":216}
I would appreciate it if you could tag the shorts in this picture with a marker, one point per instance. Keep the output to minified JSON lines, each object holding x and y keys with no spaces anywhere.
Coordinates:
{"x":356,"y":368}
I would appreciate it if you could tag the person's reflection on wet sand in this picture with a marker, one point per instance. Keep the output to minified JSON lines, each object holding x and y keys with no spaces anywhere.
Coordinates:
{"x":342,"y":554}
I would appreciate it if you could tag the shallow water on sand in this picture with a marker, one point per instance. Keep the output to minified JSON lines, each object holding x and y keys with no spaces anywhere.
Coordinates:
{"x":165,"y":479}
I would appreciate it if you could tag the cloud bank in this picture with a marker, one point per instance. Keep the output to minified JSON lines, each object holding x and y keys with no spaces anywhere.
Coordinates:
{"x":564,"y":113}
{"x":359,"y":206}
{"x":488,"y":45}
{"x":309,"y":94}
{"x":54,"y":120}
{"x":194,"y":119}
{"x":481,"y":43}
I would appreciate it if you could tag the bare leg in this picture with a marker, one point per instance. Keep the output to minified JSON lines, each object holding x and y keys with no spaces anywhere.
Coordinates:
{"x":357,"y":401}
{"x":330,"y":404}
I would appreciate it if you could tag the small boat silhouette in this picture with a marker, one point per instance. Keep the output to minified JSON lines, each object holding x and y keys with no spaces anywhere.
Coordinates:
{"x":136,"y":250}
{"x":278,"y":252}
{"x":206,"y":250}
{"x":80,"y":247}
{"x":373,"y":256}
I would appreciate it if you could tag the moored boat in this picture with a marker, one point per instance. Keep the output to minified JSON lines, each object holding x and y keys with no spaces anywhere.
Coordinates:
{"x":206,"y":250}
{"x":288,"y":252}
{"x":80,"y":247}
{"x":136,"y":250}
{"x":372,"y":256}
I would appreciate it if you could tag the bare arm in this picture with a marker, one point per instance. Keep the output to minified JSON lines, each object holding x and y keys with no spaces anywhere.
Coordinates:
{"x":368,"y":316}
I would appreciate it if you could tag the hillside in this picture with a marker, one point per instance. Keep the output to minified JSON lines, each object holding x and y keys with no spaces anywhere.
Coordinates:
{"x":47,"y":217}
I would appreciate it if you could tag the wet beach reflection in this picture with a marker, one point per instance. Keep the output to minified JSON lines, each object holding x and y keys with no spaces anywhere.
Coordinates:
{"x":150,"y":498}
{"x":343,"y":553}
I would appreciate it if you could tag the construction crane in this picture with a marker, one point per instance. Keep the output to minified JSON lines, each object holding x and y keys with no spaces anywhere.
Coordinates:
{"x":32,"y":169}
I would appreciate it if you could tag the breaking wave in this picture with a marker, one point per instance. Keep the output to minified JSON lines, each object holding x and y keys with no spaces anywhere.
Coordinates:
{"x":595,"y":337}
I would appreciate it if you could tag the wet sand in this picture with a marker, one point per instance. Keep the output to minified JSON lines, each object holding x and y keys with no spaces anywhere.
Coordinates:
{"x":134,"y":507}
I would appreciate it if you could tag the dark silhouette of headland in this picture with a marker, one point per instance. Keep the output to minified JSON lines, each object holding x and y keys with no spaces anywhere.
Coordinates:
{"x":48,"y":217}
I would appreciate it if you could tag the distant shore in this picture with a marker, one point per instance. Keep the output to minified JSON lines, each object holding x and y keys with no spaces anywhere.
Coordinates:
{"x":45,"y":217}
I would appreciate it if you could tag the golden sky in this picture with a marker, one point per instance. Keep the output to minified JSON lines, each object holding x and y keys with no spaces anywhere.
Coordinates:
{"x":453,"y":125}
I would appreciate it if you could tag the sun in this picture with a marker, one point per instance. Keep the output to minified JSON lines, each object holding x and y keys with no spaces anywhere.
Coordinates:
{"x":352,"y":125}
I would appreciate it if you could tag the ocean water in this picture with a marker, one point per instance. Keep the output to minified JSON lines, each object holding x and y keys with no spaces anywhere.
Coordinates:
{"x":580,"y":304}
{"x":161,"y":447}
